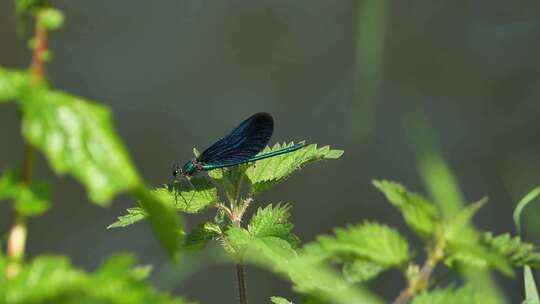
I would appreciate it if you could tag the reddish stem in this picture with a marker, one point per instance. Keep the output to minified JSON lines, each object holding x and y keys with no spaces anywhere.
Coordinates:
{"x":18,"y":232}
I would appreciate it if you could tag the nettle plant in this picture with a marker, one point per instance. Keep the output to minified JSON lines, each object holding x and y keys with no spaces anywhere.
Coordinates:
{"x":77,"y":137}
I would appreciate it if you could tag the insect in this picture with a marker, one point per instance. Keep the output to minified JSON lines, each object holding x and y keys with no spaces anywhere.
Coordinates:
{"x":239,"y":147}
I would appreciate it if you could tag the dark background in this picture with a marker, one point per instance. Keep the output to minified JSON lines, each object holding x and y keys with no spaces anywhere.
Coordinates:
{"x":179,"y":74}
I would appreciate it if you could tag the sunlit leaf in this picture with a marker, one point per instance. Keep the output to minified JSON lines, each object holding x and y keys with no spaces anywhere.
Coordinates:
{"x":370,"y":241}
{"x":420,"y":214}
{"x":9,"y":184}
{"x":13,"y":83}
{"x":273,"y":221}
{"x":307,"y":275}
{"x":163,"y":218}
{"x":50,"y":279}
{"x":77,"y":137}
{"x":360,"y":270}
{"x":133,"y":216}
{"x":463,"y":295}
{"x":33,"y":200}
{"x":280,"y":300}
{"x":512,"y":248}
{"x":268,"y":172}
{"x":201,"y":235}
{"x":192,"y":197}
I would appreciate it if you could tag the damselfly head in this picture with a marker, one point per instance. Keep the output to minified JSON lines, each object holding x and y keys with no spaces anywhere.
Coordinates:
{"x":177,"y":171}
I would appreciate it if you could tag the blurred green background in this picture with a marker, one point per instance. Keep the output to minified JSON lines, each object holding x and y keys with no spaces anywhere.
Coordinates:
{"x":358,"y":75}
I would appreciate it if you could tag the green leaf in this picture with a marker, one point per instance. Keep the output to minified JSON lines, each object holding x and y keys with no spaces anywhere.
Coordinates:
{"x":457,"y":225}
{"x":30,"y":200}
{"x":193,"y":197}
{"x":236,"y":242}
{"x":477,"y":256}
{"x":307,"y":275}
{"x":9,"y":184}
{"x":280,"y":300}
{"x":163,"y":218}
{"x":13,"y":83}
{"x":134,"y":215}
{"x":531,"y":292}
{"x":273,"y":221}
{"x":420,"y":214}
{"x":267,"y":172}
{"x":369,"y":241}
{"x":518,"y":253}
{"x":33,"y":200}
{"x":77,"y":137}
{"x":463,"y":295}
{"x":50,"y":279}
{"x":201,"y":235}
{"x":360,"y":270}
{"x":204,"y":196}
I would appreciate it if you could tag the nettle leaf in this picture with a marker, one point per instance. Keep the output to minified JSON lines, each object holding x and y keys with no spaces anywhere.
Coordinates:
{"x":518,"y":253}
{"x":456,"y":226}
{"x":13,"y":83}
{"x":360,"y":270}
{"x":280,"y":300}
{"x":236,"y":241}
{"x":267,"y":172}
{"x":77,"y":137}
{"x":306,"y":274}
{"x":464,"y":246}
{"x":463,"y":295}
{"x":204,"y":196}
{"x":49,"y":279}
{"x":134,"y":215}
{"x":420,"y":214}
{"x":368,"y":241}
{"x":29,"y":200}
{"x":33,"y":200}
{"x":480,"y":257}
{"x":201,"y":235}
{"x":273,"y":221}
{"x":9,"y":184}
{"x":190,"y":198}
{"x":162,"y":217}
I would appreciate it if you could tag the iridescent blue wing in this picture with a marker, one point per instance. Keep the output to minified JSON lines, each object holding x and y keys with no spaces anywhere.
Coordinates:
{"x":244,"y":142}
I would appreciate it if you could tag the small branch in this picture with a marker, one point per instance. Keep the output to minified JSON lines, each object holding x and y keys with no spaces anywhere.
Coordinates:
{"x":421,"y":280}
{"x":18,"y":232}
{"x":240,"y":274}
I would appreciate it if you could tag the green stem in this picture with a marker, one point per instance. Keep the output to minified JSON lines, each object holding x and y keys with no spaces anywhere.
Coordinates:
{"x":19,"y":231}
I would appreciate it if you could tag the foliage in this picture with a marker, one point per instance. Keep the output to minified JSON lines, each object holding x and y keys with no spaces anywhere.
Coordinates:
{"x":280,"y":300}
{"x":268,"y":172}
{"x":273,"y":221}
{"x":463,"y":295}
{"x":77,"y":137}
{"x":52,"y":279}
{"x":417,"y":211}
{"x":29,"y":200}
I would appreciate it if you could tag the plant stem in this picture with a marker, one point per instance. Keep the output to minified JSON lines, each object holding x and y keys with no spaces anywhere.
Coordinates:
{"x":18,"y":232}
{"x":240,"y":274}
{"x":421,"y":280}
